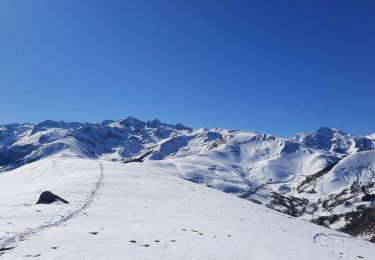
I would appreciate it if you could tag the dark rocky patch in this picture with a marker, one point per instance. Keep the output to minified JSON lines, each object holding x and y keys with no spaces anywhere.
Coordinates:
{"x":335,"y":200}
{"x":291,"y":205}
{"x":139,"y":159}
{"x":368,"y":197}
{"x":359,"y":222}
{"x":326,"y":220}
{"x":6,"y":249}
{"x":48,"y":197}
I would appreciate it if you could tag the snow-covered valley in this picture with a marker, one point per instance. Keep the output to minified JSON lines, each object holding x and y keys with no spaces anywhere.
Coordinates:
{"x":150,"y":190}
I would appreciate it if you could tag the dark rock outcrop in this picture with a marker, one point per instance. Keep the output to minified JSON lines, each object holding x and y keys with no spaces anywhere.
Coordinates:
{"x":368,"y":197}
{"x":48,"y":197}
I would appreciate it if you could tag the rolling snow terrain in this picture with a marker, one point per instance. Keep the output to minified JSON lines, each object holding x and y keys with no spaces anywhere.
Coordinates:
{"x":141,"y":211}
{"x":325,"y":177}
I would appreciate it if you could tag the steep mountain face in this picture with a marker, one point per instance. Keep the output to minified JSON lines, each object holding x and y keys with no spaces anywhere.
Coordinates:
{"x":326,"y":176}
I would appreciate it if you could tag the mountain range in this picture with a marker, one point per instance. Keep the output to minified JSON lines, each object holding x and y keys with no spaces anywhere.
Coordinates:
{"x":326,"y":177}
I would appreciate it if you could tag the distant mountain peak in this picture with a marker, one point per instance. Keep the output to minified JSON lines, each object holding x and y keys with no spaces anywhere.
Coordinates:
{"x":132,"y":121}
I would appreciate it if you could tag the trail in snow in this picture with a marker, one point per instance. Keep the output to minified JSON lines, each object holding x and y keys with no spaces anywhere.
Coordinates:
{"x":8,"y":242}
{"x":329,"y":241}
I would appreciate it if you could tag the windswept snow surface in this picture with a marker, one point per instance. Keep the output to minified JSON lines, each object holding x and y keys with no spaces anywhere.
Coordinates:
{"x":142,"y":211}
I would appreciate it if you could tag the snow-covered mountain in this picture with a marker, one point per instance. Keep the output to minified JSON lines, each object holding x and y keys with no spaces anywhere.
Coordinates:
{"x":334,"y":140}
{"x":326,"y":176}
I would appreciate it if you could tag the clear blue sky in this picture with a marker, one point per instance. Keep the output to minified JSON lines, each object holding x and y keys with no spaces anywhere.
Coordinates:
{"x":277,"y":67}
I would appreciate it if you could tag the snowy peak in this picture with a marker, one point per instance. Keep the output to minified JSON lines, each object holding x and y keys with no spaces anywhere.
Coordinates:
{"x":334,"y":140}
{"x":10,"y":133}
{"x":132,"y":122}
{"x":47,"y":124}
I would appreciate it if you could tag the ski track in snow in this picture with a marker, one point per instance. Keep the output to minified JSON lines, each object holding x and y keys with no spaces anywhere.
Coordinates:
{"x":10,"y":241}
{"x":320,"y":238}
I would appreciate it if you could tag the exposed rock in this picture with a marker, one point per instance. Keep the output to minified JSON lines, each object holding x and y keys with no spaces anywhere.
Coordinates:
{"x":48,"y":197}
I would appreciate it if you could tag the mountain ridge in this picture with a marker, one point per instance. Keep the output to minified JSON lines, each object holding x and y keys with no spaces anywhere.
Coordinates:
{"x":326,"y":176}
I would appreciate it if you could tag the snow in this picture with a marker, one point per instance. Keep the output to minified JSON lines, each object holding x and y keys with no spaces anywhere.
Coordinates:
{"x":357,"y":168}
{"x":247,"y":164}
{"x":50,"y":134}
{"x":243,"y":161}
{"x":328,"y":139}
{"x":339,"y":223}
{"x":143,"y":211}
{"x":13,"y":132}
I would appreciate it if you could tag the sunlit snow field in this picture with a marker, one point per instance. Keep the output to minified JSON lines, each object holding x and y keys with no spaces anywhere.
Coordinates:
{"x":142,"y":211}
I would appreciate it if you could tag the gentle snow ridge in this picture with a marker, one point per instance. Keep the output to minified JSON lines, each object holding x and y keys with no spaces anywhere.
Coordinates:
{"x":140,"y":211}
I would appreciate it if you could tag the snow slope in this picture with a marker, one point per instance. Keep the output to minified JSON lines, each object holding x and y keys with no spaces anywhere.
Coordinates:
{"x":142,"y":211}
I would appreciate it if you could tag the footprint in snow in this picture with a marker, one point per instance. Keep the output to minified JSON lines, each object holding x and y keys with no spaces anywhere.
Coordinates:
{"x":37,"y":255}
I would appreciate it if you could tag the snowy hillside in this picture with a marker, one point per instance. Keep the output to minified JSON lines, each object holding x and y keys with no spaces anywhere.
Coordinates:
{"x":141,"y":211}
{"x":326,"y":177}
